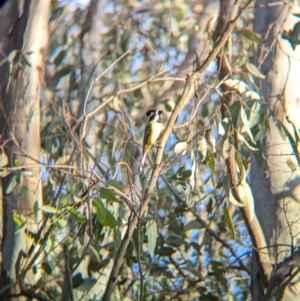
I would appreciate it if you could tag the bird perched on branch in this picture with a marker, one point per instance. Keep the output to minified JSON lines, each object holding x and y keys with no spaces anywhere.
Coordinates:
{"x":152,"y":132}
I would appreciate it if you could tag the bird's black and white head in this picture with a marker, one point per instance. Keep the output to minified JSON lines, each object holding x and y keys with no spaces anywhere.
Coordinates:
{"x":154,"y":115}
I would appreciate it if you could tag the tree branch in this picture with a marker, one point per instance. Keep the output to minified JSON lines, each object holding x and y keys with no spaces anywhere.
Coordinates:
{"x":251,"y":220}
{"x":189,"y":85}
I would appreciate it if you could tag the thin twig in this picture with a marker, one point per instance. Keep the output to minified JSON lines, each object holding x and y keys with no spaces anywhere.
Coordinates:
{"x":190,"y":82}
{"x":97,"y":79}
{"x":187,"y":123}
{"x":208,"y":228}
{"x":85,"y":118}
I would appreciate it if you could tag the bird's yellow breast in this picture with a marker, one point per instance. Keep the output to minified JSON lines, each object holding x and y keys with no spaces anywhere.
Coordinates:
{"x":155,"y":129}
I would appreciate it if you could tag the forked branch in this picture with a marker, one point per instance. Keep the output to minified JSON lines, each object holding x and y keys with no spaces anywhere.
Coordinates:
{"x":189,"y":86}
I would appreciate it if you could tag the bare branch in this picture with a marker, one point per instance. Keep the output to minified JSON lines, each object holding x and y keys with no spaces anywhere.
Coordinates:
{"x":85,"y":118}
{"x":190,"y":81}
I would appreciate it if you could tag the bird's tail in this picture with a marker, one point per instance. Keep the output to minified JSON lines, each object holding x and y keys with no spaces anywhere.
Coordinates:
{"x":143,"y":161}
{"x":145,"y":152}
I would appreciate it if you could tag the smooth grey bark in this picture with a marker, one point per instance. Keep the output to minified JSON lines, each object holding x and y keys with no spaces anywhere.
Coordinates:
{"x":25,"y":35}
{"x":276,"y":186}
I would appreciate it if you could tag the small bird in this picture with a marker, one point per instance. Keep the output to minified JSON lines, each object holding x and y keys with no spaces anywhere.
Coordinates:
{"x":152,"y":132}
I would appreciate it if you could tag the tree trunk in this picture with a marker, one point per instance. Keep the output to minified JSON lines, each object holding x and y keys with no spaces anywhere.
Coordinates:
{"x":21,"y":82}
{"x":276,"y":186}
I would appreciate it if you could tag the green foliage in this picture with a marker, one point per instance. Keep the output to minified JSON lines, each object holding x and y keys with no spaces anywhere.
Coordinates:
{"x":3,"y":158}
{"x":13,"y":181}
{"x":48,"y":209}
{"x":228,"y":220}
{"x":151,"y":227}
{"x":91,"y":183}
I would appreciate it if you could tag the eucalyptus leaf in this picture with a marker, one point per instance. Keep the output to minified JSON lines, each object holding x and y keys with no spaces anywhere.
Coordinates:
{"x":47,"y":268}
{"x":3,"y":158}
{"x":151,"y":228}
{"x":117,"y":238}
{"x":107,"y":194}
{"x":243,"y":139}
{"x":110,"y":220}
{"x":210,"y":161}
{"x":262,"y":132}
{"x":228,"y":220}
{"x":87,"y":284}
{"x":202,"y":148}
{"x":228,"y":189}
{"x":100,"y":210}
{"x":253,"y":36}
{"x":78,"y":216}
{"x":114,"y":184}
{"x":255,"y":113}
{"x":255,"y":71}
{"x":180,"y":148}
{"x":18,"y":219}
{"x":62,"y":223}
{"x":11,"y":184}
{"x":49,"y":209}
{"x":23,"y":190}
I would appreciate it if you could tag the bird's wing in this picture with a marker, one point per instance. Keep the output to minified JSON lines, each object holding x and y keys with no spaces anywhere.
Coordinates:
{"x":146,"y":134}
